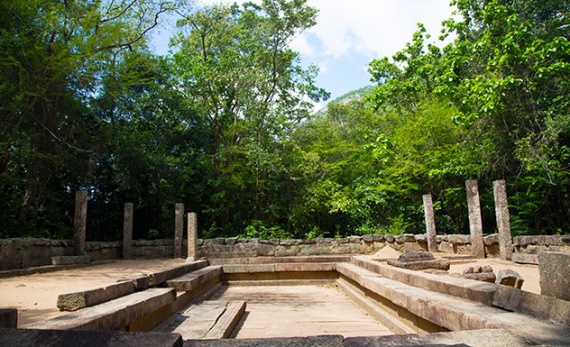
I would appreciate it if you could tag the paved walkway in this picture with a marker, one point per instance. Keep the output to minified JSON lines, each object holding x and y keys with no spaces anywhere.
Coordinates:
{"x":297,"y":311}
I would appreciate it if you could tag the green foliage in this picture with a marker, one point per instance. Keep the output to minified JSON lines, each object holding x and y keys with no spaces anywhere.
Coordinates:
{"x":223,"y":123}
{"x":505,"y":76}
{"x":257,"y":230}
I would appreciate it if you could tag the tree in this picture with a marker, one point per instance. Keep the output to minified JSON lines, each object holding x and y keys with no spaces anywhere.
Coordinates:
{"x":505,"y":74}
{"x":55,"y":55}
{"x":236,"y":65}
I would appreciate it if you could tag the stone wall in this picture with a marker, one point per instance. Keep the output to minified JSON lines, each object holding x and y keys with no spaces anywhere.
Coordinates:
{"x":25,"y":253}
{"x":367,"y":244}
{"x":537,"y":244}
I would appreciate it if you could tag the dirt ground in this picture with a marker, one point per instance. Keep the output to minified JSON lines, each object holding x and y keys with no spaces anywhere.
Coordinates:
{"x":528,"y":272}
{"x":35,"y":296}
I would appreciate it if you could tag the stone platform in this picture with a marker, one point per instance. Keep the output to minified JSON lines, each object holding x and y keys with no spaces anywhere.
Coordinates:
{"x":424,"y":302}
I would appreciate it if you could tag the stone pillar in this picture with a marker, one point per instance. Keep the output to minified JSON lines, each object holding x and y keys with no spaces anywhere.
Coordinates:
{"x":503,"y":219}
{"x":80,"y":223}
{"x":178,"y":229}
{"x":475,"y":220}
{"x":128,"y":230}
{"x":430,"y":223}
{"x":192,"y":237}
{"x":554,"y":270}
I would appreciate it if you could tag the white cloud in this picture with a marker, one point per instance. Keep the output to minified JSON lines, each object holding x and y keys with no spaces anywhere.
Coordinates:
{"x":374,"y":28}
{"x":349,"y":34}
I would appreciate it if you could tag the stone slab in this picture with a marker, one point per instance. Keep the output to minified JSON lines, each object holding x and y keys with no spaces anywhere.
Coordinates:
{"x":160,"y":277}
{"x":456,"y":314}
{"x":70,"y":260}
{"x":8,"y":318}
{"x":228,"y":321}
{"x":248,"y":268}
{"x":508,"y":277}
{"x":524,"y":258}
{"x":462,"y":288}
{"x":381,"y":315}
{"x":309,"y":341}
{"x":538,"y":306}
{"x":554,"y":269}
{"x":442,"y":310}
{"x":209,"y":319}
{"x":64,"y":338}
{"x":78,"y":300}
{"x":304,"y":267}
{"x":472,"y":338}
{"x":115,"y":314}
{"x":438,"y":263}
{"x":194,"y":279}
{"x":277,"y":260}
{"x":197,"y":320}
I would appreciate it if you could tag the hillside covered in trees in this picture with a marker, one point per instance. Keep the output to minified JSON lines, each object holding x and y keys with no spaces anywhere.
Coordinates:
{"x":225,"y":123}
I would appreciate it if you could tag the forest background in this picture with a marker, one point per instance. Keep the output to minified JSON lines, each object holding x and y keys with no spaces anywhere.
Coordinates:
{"x":225,"y":124}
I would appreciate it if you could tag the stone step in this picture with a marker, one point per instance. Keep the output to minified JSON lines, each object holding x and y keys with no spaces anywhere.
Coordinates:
{"x":207,"y":320}
{"x":193,"y":280}
{"x":453,"y":313}
{"x":477,"y":291}
{"x":160,"y":277}
{"x":63,"y":338}
{"x":381,"y":315}
{"x":115,"y":314}
{"x":275,"y":260}
{"x":91,"y":297}
{"x":98,"y":295}
{"x":279,"y":267}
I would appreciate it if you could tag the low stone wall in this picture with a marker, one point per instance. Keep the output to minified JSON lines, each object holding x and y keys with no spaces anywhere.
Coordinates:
{"x":537,"y":244}
{"x":26,"y":253}
{"x":367,"y":244}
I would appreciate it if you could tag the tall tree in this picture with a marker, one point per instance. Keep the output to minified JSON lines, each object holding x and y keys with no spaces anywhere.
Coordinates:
{"x":237,"y":66}
{"x":505,"y":74}
{"x":53,"y":56}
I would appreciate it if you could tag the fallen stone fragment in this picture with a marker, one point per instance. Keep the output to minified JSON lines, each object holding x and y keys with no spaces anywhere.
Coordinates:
{"x":508,"y":277}
{"x":420,"y":261}
{"x":481,"y":276}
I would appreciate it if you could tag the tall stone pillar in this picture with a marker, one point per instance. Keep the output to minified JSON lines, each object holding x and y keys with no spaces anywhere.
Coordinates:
{"x":503,"y":219}
{"x":80,"y":223}
{"x":475,"y":220}
{"x":430,"y":223}
{"x":178,"y":229}
{"x":128,"y":230}
{"x":192,"y":237}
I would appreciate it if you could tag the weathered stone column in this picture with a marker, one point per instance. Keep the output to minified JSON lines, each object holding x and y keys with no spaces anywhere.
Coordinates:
{"x":475,"y":220}
{"x":128,"y":230}
{"x":80,"y":223}
{"x":192,"y":237}
{"x":503,"y":219}
{"x":554,"y":270}
{"x":430,"y":223}
{"x":178,"y":229}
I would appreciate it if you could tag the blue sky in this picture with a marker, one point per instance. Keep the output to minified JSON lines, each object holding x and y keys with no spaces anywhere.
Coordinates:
{"x":349,"y":34}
